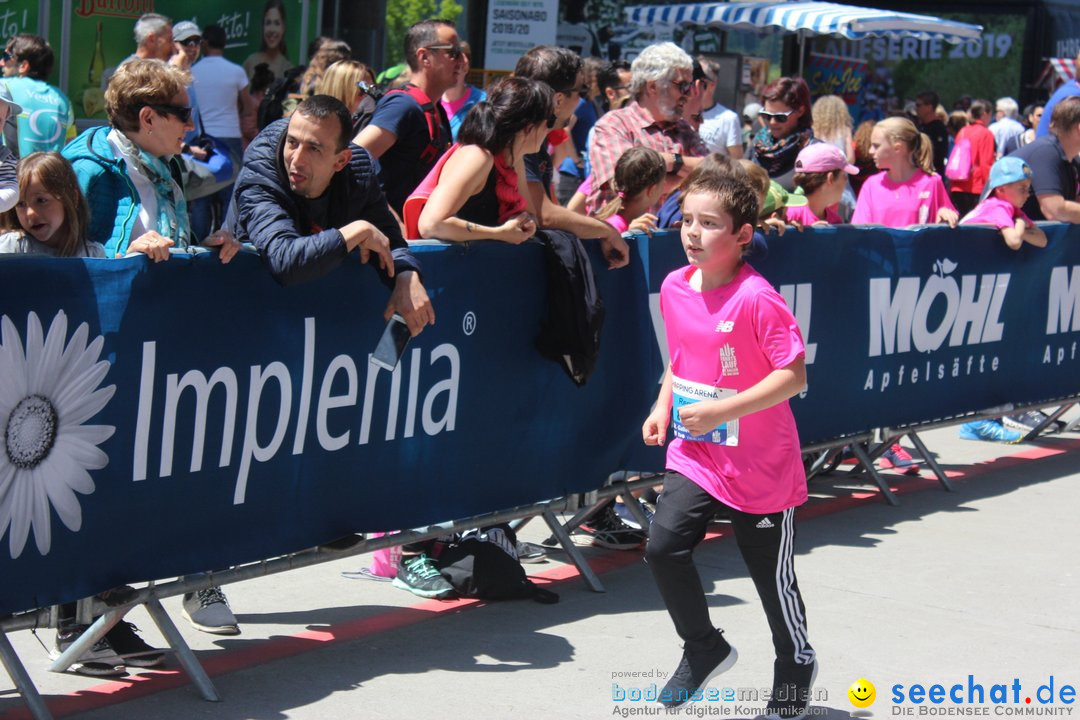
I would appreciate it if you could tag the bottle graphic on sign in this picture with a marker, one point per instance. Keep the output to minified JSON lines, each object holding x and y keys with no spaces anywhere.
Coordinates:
{"x":97,"y":62}
{"x":93,"y":97}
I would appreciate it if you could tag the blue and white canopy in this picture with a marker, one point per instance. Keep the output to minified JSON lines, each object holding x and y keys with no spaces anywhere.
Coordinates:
{"x":806,"y":18}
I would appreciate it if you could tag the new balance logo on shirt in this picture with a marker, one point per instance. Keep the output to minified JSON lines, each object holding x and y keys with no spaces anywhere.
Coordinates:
{"x":725,"y":326}
{"x":764,"y":524}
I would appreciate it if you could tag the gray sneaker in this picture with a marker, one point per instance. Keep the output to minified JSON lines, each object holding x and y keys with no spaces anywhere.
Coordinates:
{"x":209,"y":611}
{"x":99,"y":661}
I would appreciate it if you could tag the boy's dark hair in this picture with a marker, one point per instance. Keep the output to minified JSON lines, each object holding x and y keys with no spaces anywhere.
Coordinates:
{"x":320,"y":107}
{"x":261,"y":78}
{"x":35,"y":50}
{"x":608,"y":77}
{"x":422,"y":34}
{"x":811,"y":182}
{"x":214,"y":36}
{"x":558,"y":67}
{"x":736,"y":197}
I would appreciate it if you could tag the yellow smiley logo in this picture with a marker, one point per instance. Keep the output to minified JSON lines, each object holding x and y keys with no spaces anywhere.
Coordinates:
{"x":862,"y":693}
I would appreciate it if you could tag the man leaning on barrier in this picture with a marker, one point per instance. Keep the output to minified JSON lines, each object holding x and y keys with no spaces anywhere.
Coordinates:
{"x":306,"y":199}
{"x":1054,"y":174}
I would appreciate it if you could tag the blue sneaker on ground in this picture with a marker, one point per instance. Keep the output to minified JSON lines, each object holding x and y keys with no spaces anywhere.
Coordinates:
{"x":989,"y":431}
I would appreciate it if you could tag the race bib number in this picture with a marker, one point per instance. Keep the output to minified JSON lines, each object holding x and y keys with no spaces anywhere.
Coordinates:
{"x":686,"y":392}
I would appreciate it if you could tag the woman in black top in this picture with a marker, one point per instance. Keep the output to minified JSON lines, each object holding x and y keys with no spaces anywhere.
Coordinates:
{"x":477,"y":196}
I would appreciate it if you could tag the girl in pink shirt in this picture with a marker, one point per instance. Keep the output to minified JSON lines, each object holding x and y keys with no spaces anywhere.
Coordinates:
{"x":821,"y":171}
{"x":638,"y":183}
{"x":908,"y":192}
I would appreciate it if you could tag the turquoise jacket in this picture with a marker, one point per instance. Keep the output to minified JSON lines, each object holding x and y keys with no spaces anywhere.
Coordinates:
{"x":103,"y":177}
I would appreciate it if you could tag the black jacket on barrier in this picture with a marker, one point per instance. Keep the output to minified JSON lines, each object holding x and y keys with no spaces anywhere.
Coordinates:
{"x":266,"y":213}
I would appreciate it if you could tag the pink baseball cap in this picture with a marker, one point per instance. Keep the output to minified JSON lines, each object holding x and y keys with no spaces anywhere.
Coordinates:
{"x":823,"y":157}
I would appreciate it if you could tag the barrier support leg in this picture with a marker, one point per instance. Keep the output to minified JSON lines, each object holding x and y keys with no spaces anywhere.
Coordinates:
{"x":591,"y":579}
{"x":1050,"y":420}
{"x":91,"y":635}
{"x":30,"y":695}
{"x":633,"y":506}
{"x":921,"y":447}
{"x":860,"y":452}
{"x":183,"y":652}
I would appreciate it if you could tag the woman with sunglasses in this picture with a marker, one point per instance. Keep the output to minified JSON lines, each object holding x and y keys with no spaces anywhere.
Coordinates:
{"x":787,"y":129}
{"x":476,"y":195}
{"x":129,"y":170}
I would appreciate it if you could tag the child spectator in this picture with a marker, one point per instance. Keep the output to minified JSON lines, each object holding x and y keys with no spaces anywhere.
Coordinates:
{"x":1008,"y":189}
{"x":907,"y":191}
{"x":638,"y":183}
{"x":821,"y":172}
{"x":736,"y":357}
{"x":51,"y":215}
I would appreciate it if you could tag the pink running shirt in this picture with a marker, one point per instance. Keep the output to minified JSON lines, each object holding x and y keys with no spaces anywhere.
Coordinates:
{"x":618,"y":222}
{"x":806,"y":217}
{"x":722,"y":342}
{"x":897,"y":205}
{"x":997,"y":212}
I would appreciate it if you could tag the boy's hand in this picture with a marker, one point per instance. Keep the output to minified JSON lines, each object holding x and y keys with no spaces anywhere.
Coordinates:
{"x":654,"y":431}
{"x":701,"y":417}
{"x":945,"y":215}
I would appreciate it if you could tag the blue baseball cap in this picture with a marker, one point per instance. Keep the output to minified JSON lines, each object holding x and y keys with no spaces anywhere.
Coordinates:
{"x":1008,"y":170}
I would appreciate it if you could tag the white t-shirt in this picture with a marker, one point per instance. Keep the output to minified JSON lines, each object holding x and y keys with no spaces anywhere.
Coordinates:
{"x":218,"y":83}
{"x":721,"y":129}
{"x":18,"y":242}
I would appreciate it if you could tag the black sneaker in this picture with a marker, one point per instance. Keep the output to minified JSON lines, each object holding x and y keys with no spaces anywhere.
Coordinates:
{"x":696,"y":669}
{"x":609,"y":531}
{"x":792,"y":685}
{"x":132,"y":648}
{"x":420,"y":577}
{"x":99,"y":661}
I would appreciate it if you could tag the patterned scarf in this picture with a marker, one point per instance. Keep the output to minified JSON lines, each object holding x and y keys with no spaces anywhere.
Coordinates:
{"x":172,"y":214}
{"x":778,"y":156}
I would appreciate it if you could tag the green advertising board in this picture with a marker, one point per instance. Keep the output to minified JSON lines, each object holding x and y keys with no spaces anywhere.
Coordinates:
{"x":94,"y":36}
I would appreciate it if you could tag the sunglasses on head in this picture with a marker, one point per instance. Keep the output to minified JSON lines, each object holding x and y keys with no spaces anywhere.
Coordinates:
{"x":191,"y":42}
{"x":452,"y":51}
{"x":180,"y":112}
{"x":778,"y":117}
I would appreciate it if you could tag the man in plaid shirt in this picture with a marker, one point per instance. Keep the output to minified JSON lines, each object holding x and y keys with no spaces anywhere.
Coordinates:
{"x":662,"y":83}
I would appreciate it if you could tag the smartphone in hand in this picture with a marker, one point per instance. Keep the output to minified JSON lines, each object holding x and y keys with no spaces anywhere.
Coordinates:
{"x":392,"y":343}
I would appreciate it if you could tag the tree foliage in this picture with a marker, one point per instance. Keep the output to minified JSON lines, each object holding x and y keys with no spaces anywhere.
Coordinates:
{"x":403,"y":14}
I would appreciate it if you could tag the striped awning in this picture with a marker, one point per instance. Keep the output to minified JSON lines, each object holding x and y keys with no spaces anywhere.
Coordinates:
{"x":806,"y":18}
{"x":1064,"y":67}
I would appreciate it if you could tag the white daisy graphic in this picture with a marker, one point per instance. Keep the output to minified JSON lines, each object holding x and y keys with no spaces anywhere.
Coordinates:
{"x":46,"y":394}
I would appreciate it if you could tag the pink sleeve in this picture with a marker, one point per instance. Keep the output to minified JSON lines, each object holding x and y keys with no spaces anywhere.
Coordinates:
{"x":941,"y":195}
{"x":618,"y":222}
{"x":777,"y":332}
{"x":990,"y":213}
{"x":864,"y":213}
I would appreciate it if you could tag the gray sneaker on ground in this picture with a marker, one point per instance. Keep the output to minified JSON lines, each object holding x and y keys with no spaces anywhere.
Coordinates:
{"x":209,"y":611}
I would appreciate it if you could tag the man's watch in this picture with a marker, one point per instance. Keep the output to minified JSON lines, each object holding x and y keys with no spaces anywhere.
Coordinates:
{"x":676,"y":163}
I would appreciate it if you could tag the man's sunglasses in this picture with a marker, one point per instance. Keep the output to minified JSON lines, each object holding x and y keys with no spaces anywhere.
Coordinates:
{"x":781,"y":117}
{"x":683,"y":87}
{"x":6,"y":56}
{"x":191,"y":42}
{"x":453,"y":51}
{"x":180,"y":112}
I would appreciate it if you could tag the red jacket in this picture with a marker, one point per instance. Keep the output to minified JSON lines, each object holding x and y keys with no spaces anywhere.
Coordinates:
{"x":982,"y":158}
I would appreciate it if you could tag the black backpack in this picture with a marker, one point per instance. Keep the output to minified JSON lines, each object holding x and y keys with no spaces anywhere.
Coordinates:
{"x":570,"y":334}
{"x":272,"y":106}
{"x":484,"y":564}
